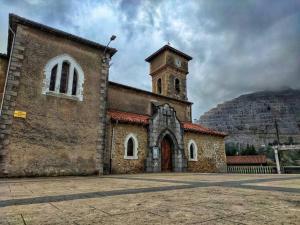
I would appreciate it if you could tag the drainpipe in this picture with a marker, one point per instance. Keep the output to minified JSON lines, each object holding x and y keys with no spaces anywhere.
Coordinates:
{"x":8,"y":66}
{"x":112,"y":147}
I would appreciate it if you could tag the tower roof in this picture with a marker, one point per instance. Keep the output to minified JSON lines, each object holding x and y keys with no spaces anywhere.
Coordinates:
{"x":168,"y":47}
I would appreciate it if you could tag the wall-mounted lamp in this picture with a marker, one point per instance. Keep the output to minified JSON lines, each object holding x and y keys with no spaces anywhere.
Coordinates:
{"x":113,"y":37}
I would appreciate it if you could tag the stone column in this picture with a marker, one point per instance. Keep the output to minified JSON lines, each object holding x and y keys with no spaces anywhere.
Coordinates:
{"x":9,"y":100}
{"x":104,"y":72}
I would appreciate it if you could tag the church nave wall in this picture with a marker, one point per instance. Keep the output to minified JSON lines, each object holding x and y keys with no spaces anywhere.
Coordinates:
{"x":210,"y":153}
{"x":61,"y":134}
{"x":119,"y":136}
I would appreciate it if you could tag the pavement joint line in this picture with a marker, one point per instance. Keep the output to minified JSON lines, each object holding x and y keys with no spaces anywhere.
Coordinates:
{"x":24,"y":222}
{"x":231,"y":184}
{"x":223,"y":217}
{"x":129,"y":212}
{"x":156,"y":214}
{"x":99,"y":210}
{"x":44,"y":199}
{"x":50,"y":203}
{"x":235,"y":214}
{"x":232,"y":221}
{"x":258,"y":180}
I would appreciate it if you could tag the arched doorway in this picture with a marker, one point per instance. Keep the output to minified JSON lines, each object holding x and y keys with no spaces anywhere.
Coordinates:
{"x":166,"y":154}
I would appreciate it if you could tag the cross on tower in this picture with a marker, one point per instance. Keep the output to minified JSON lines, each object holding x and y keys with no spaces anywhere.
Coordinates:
{"x":167,"y":115}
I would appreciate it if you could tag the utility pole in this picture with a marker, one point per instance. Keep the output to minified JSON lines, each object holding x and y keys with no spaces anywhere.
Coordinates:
{"x":276,"y":148}
{"x":277,"y":131}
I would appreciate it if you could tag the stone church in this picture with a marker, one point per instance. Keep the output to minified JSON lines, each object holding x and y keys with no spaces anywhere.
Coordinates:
{"x":60,"y":114}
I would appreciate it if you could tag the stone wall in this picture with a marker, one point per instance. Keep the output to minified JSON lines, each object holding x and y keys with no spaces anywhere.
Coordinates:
{"x":120,"y":132}
{"x":165,"y":123}
{"x":211,"y":153}
{"x":129,"y":99}
{"x":60,"y":136}
{"x":157,"y":62}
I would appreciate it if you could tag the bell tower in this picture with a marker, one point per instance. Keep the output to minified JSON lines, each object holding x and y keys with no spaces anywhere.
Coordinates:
{"x":168,"y":69}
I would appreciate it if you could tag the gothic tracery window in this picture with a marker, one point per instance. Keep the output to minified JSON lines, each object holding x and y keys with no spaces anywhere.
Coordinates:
{"x":63,"y":75}
{"x":74,"y":85}
{"x":53,"y":78}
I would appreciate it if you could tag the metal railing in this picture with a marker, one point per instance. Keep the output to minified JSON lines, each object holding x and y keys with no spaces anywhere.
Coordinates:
{"x":252,"y":169}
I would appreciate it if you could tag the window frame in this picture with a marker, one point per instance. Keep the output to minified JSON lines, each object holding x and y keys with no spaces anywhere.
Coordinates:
{"x":159,"y":86}
{"x":177,"y":86}
{"x":192,"y":142}
{"x":135,"y":146}
{"x":73,"y":66}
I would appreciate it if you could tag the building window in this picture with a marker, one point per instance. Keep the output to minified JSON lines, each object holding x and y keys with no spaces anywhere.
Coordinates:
{"x":74,"y":85}
{"x":192,"y":150}
{"x":53,"y":78}
{"x":131,"y":147}
{"x":177,"y":86}
{"x":159,"y":86}
{"x":63,"y":78}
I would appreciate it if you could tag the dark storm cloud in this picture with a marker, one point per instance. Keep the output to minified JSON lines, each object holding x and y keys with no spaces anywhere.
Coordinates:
{"x":258,"y":49}
{"x":53,"y":11}
{"x":237,"y":46}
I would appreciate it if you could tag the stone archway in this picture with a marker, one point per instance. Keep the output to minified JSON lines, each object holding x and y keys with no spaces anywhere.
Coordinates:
{"x":165,"y":123}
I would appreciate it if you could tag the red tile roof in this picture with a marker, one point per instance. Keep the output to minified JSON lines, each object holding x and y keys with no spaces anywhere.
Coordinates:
{"x":144,"y":119}
{"x":201,"y":129}
{"x":246,"y":159}
{"x":129,"y":117}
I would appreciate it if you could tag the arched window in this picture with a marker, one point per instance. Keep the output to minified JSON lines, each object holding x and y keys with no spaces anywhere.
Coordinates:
{"x":177,"y":86}
{"x":74,"y":85}
{"x":63,"y":77}
{"x":159,"y":86}
{"x":53,"y":78}
{"x":131,"y":147}
{"x":192,"y":150}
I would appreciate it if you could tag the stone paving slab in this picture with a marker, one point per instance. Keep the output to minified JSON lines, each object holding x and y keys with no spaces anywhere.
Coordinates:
{"x":287,"y":184}
{"x":172,"y":198}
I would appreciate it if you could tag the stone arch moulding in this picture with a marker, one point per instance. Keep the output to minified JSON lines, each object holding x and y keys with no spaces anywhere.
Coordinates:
{"x":165,"y":133}
{"x":164,"y":121}
{"x":58,"y":60}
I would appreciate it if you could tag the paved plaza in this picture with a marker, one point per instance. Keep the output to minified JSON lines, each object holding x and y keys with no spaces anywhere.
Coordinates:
{"x":169,"y":198}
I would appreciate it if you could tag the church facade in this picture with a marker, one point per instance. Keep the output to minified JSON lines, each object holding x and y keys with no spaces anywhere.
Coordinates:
{"x":60,"y":114}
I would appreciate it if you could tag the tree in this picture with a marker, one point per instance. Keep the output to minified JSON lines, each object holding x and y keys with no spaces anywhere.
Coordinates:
{"x":231,"y":149}
{"x":249,"y":150}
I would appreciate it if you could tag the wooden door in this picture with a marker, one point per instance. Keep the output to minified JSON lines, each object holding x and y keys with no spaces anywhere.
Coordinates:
{"x":166,"y":155}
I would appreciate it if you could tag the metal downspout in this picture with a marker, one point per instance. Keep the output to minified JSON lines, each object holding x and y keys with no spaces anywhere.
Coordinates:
{"x":8,"y":66}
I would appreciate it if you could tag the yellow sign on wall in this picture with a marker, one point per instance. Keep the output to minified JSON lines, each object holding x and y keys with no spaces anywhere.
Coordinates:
{"x":20,"y":114}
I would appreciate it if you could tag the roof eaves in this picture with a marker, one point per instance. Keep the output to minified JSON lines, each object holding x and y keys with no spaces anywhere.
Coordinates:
{"x":168,"y":47}
{"x":148,"y":92}
{"x":15,"y":19}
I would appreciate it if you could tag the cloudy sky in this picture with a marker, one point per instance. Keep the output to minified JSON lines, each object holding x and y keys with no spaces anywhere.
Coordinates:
{"x":238,"y":46}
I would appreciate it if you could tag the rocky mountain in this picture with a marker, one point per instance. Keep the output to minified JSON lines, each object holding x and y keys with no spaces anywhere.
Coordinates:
{"x":251,"y":118}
